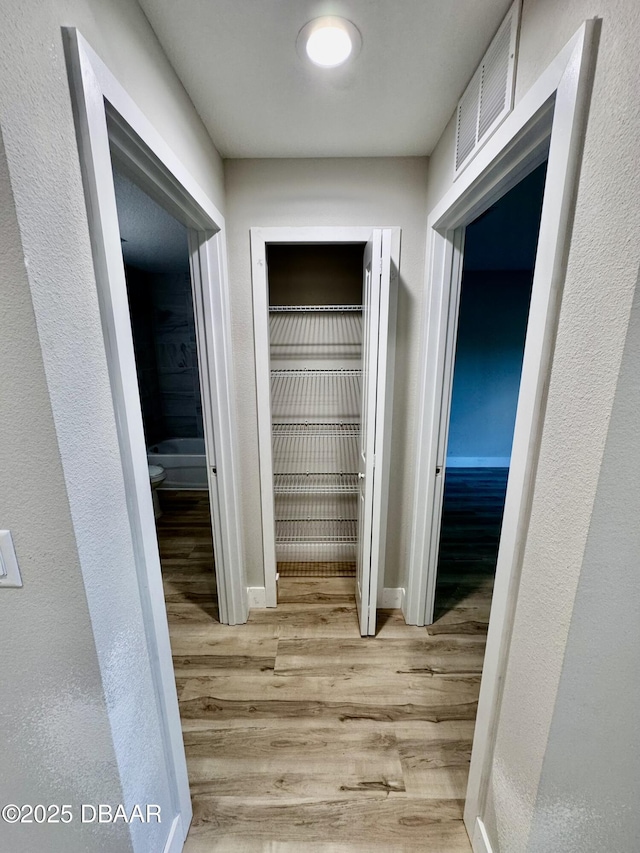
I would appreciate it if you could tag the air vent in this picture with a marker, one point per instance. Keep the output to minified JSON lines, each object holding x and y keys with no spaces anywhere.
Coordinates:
{"x":488,"y":98}
{"x":467,"y":129}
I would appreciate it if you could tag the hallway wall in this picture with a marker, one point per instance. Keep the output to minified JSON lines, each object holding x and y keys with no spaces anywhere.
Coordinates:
{"x":81,"y":719}
{"x":601,"y":277}
{"x":56,"y":736}
{"x":588,"y":792}
{"x":348,"y":191}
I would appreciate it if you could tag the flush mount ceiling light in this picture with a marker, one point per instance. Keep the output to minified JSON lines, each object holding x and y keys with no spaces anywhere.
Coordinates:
{"x":329,"y":42}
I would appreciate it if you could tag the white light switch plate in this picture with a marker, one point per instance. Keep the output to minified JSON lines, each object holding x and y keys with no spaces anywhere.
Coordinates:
{"x":9,"y":571}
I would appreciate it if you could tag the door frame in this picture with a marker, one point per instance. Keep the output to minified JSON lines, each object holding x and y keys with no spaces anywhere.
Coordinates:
{"x":548,"y":123}
{"x":260,"y":238}
{"x":108,"y":121}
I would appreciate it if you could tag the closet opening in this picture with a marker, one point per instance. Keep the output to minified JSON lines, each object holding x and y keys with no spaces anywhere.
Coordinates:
{"x":324,"y":303}
{"x":315,"y":348}
{"x":155,"y":252}
{"x":493,"y":309}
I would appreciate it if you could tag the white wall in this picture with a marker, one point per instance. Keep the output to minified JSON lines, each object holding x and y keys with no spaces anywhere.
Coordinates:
{"x":380,"y":191}
{"x":56,"y":737}
{"x":602,"y":270}
{"x":81,"y":719}
{"x":587,"y":798}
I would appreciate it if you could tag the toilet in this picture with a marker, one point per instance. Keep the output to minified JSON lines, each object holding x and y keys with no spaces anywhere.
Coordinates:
{"x":157,"y":475}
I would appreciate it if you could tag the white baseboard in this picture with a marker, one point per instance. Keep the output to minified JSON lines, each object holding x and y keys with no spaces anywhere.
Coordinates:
{"x":480,"y":841}
{"x":392,"y":597}
{"x":478,"y":461}
{"x":176,"y":837}
{"x":257,"y":596}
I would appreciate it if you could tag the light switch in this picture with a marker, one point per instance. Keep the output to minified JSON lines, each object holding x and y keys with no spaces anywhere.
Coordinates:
{"x":9,"y":571}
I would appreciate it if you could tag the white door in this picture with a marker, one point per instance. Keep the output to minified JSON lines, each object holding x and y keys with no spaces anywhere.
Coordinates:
{"x":378,"y":327}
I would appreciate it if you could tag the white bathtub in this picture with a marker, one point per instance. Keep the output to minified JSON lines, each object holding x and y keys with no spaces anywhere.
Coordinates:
{"x":184,"y":461}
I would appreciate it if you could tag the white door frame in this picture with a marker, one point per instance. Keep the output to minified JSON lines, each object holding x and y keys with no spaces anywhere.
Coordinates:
{"x":106,"y":116}
{"x":260,"y":239}
{"x":550,"y":120}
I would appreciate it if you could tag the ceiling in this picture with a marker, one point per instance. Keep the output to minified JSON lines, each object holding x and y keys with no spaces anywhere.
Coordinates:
{"x":238,"y":62}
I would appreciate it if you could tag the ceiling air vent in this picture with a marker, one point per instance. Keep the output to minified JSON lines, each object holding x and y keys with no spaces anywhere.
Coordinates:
{"x":488,"y":98}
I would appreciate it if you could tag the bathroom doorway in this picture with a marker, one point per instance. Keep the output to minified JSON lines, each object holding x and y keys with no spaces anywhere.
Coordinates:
{"x":113,"y":132}
{"x":155,"y":252}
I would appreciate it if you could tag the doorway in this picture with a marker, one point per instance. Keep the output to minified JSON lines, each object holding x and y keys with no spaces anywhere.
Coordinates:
{"x":495,"y":296}
{"x":155,"y":251}
{"x":547,"y":124}
{"x":113,"y":131}
{"x":315,"y":334}
{"x":324,"y":320}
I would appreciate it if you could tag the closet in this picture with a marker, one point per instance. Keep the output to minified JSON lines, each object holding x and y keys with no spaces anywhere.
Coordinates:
{"x":315,"y":336}
{"x":324,"y":321}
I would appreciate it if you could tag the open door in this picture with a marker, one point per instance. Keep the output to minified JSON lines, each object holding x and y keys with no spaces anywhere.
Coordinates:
{"x":378,"y":328}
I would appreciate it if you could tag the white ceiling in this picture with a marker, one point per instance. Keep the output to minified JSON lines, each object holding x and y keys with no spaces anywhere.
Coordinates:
{"x":238,"y":61}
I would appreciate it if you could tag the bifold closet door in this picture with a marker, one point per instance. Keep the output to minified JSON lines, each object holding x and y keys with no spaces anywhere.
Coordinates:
{"x":377,"y":355}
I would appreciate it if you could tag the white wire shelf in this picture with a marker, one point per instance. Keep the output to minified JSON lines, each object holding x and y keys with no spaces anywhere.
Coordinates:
{"x":323,"y":334}
{"x":301,"y":507}
{"x":325,"y":448}
{"x":310,"y":372}
{"x":315,"y":401}
{"x":288,"y":309}
{"x":315,"y":484}
{"x":319,"y":429}
{"x":315,"y":395}
{"x":317,"y":531}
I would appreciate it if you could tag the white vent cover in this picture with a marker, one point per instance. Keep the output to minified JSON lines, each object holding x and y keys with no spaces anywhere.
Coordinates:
{"x":488,"y":98}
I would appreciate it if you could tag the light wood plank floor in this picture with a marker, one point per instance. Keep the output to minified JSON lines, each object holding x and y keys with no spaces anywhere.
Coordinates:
{"x":302,"y":736}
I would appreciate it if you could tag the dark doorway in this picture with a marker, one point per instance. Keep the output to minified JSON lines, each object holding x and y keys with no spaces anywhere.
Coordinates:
{"x":499,"y":258}
{"x":155,"y":252}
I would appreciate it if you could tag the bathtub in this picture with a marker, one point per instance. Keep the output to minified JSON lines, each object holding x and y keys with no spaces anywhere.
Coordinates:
{"x":184,"y":461}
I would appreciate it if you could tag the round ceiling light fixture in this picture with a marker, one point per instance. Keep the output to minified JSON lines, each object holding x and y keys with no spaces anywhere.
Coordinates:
{"x":329,"y":42}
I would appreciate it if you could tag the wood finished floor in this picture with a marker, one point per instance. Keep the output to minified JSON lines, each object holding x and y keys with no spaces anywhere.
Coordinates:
{"x":302,"y":736}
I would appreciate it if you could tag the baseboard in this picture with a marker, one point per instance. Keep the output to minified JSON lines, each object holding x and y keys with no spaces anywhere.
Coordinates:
{"x":478,"y":461}
{"x":176,"y":837}
{"x":392,"y":597}
{"x":257,"y":596}
{"x":480,"y":841}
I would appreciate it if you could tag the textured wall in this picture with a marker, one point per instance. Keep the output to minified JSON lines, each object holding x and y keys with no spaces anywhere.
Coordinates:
{"x":56,"y":742}
{"x":588,"y":794}
{"x":85,"y":723}
{"x":380,"y":191}
{"x":601,"y":277}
